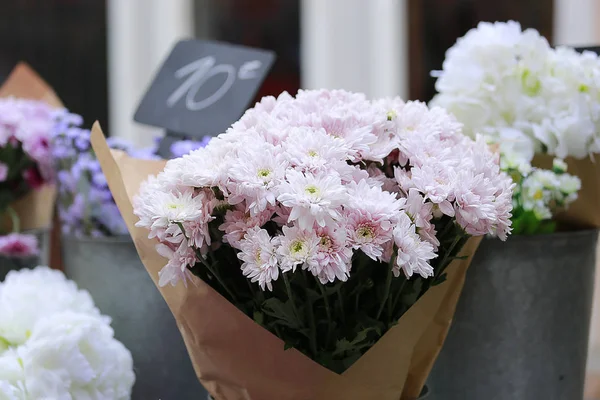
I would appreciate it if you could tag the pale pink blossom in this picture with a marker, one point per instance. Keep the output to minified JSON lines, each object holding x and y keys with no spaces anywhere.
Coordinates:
{"x":313,"y":199}
{"x":334,"y":255}
{"x":259,"y":256}
{"x":370,"y":216}
{"x":179,"y":260}
{"x":238,"y":222}
{"x":297,"y":247}
{"x":19,"y":245}
{"x":414,"y":254}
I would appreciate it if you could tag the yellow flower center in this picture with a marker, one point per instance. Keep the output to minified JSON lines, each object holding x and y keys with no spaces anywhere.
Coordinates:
{"x":365,"y":232}
{"x":325,"y":242}
{"x":312,"y":189}
{"x":538,"y":195}
{"x":263,"y":172}
{"x":297,"y":246}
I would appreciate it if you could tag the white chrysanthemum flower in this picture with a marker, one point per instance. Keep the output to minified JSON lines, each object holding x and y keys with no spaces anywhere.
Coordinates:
{"x":414,"y":254}
{"x":259,"y":257}
{"x":59,"y":347}
{"x":255,"y":176}
{"x":313,"y":199}
{"x":297,"y":247}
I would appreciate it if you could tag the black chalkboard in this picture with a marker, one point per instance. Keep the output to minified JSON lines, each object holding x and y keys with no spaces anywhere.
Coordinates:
{"x":203,"y":87}
{"x":595,"y":49}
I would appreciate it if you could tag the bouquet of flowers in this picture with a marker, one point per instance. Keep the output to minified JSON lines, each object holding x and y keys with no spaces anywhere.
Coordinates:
{"x":537,"y":103}
{"x":55,"y":344}
{"x":85,"y":205}
{"x":26,"y":172}
{"x":331,"y":222}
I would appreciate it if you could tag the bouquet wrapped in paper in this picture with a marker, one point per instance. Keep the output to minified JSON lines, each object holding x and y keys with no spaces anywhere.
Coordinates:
{"x":317,"y":249}
{"x":30,"y":113}
{"x":540,"y":106}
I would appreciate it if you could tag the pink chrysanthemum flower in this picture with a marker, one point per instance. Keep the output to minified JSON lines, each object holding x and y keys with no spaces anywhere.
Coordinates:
{"x":413,"y":253}
{"x":333,"y":256}
{"x":238,"y":223}
{"x":371,"y":214}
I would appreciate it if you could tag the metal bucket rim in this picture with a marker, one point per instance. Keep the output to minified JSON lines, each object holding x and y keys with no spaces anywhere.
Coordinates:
{"x":102,"y":239}
{"x":550,"y":236}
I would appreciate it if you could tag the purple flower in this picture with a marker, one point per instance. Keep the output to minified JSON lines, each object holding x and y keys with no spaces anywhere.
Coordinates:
{"x":183,"y":147}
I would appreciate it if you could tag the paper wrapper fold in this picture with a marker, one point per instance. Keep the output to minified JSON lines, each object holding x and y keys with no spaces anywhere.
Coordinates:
{"x":36,"y":209}
{"x":584,"y":213}
{"x":235,"y":358}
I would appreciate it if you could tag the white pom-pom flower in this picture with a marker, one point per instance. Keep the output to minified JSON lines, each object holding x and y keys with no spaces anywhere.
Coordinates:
{"x":55,"y":344}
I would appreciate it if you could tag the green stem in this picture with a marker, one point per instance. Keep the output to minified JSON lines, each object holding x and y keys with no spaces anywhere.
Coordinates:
{"x":208,"y":266}
{"x":447,"y":255}
{"x":327,"y":309}
{"x":386,"y":293}
{"x":288,"y":288}
{"x":399,"y":294}
{"x":341,"y":303}
{"x":217,"y":277}
{"x":313,"y":331}
{"x":14,"y":217}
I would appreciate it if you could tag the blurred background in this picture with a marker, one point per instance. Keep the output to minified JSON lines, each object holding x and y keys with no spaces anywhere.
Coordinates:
{"x":100,"y":56}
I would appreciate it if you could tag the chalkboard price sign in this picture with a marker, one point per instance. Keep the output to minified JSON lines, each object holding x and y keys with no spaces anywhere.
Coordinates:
{"x":203,"y":87}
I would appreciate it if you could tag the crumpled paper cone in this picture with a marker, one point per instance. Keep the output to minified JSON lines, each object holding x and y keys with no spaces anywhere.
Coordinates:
{"x":235,"y":358}
{"x":584,"y":213}
{"x":36,"y":208}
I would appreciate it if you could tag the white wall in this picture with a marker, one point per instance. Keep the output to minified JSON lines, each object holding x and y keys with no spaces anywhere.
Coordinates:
{"x":140,"y":35}
{"x":575,"y":22}
{"x":358,"y":45}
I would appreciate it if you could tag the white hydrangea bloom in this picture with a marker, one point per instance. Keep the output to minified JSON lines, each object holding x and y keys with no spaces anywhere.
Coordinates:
{"x":28,"y":295}
{"x":55,"y":344}
{"x":511,"y":86}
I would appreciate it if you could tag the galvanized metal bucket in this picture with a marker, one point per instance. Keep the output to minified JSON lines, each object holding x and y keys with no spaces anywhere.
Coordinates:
{"x":9,"y":263}
{"x":110,"y":269}
{"x":521,"y":326}
{"x":424,"y":395}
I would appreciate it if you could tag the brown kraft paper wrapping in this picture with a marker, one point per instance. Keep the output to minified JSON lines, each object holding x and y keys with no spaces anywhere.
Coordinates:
{"x":235,"y":358}
{"x":584,"y":213}
{"x":35,"y":209}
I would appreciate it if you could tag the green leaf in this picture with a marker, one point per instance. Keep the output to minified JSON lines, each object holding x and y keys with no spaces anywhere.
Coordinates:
{"x":359,"y":342}
{"x":283,"y":312}
{"x":312,"y":295}
{"x":440,"y":279}
{"x":259,"y":317}
{"x":546,"y":227}
{"x":287,"y":346}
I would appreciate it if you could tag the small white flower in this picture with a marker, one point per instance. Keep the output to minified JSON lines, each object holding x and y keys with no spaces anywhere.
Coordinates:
{"x":413,"y":253}
{"x":313,"y":199}
{"x":297,"y":247}
{"x":258,"y":253}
